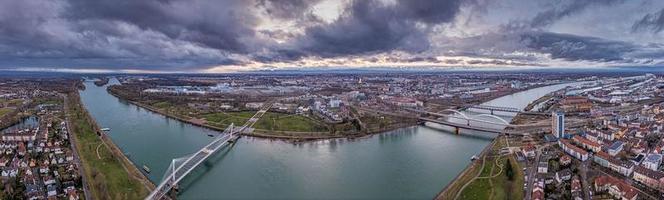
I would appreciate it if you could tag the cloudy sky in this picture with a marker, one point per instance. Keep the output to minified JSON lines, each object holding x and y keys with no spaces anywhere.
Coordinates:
{"x":241,"y":35}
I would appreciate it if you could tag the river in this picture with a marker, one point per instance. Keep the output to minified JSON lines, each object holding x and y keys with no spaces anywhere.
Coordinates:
{"x":409,"y":163}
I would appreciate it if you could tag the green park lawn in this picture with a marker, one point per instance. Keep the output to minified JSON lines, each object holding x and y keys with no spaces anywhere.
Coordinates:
{"x":478,"y":190}
{"x":223,"y":119}
{"x":498,"y":187}
{"x":4,"y":111}
{"x":285,"y":122}
{"x":162,"y":105}
{"x":269,"y":121}
{"x":106,"y":176}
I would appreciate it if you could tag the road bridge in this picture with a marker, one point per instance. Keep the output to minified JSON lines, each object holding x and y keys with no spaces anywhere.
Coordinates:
{"x":464,"y":116}
{"x":511,"y":129}
{"x":492,"y":109}
{"x":459,"y":126}
{"x":467,"y":125}
{"x":181,"y":167}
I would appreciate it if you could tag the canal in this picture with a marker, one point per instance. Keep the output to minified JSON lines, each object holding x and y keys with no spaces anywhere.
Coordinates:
{"x":409,"y":163}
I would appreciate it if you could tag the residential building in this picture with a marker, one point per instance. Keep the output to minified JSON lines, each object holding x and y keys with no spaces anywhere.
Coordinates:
{"x":623,"y":167}
{"x":615,"y":148}
{"x":587,"y":144}
{"x":563,"y":175}
{"x":543,"y":167}
{"x":565,"y":160}
{"x":334,"y":103}
{"x":652,"y":161}
{"x":538,"y":190}
{"x":576,"y":190}
{"x":651,"y":178}
{"x":616,"y":188}
{"x":529,"y":151}
{"x":558,"y":124}
{"x":602,"y":159}
{"x":607,"y":135}
{"x":572,"y":150}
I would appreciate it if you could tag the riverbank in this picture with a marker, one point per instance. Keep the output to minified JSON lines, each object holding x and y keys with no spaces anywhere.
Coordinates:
{"x":268,"y":134}
{"x":480,"y":180}
{"x":466,"y":180}
{"x":109,"y":173}
{"x":304,"y":137}
{"x":154,"y":140}
{"x":473,"y":170}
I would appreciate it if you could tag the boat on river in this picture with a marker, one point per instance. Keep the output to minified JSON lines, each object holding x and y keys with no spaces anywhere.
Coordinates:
{"x":146,"y":169}
{"x":105,"y":129}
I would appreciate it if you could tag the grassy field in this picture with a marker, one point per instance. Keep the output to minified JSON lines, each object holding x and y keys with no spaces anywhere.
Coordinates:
{"x":224,"y":119}
{"x":269,"y":121}
{"x":162,"y":105}
{"x":494,"y":183}
{"x":4,"y":111}
{"x":105,"y":174}
{"x":479,"y":189}
{"x":45,"y":101}
{"x":15,"y":101}
{"x":454,"y":187}
{"x":285,"y":122}
{"x":482,"y":188}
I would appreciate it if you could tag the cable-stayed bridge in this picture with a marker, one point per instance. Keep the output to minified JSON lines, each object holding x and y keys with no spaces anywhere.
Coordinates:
{"x":181,"y":167}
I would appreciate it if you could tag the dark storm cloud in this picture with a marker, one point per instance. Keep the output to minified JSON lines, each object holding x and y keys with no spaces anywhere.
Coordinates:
{"x":561,"y":9}
{"x":197,"y":34}
{"x":287,"y":9}
{"x":115,"y":64}
{"x":575,"y":48}
{"x":650,"y":22}
{"x":428,"y":11}
{"x":371,"y":26}
{"x":123,"y":34}
{"x":206,"y":22}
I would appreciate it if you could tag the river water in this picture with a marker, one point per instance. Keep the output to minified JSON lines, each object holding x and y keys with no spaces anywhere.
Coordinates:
{"x":409,"y":163}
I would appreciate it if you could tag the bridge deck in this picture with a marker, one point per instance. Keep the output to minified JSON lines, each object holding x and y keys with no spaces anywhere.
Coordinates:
{"x":504,"y":109}
{"x":178,"y":172}
{"x":476,"y":128}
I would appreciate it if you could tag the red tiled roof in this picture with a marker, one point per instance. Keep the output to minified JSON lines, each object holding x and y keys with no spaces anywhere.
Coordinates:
{"x":574,"y":148}
{"x":585,"y":141}
{"x":603,"y":155}
{"x":649,"y":173}
{"x":628,"y":191}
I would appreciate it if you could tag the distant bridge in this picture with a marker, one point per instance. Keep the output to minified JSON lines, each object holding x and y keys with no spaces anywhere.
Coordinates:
{"x":459,"y":126}
{"x":521,"y":129}
{"x":468,"y":119}
{"x":181,"y":167}
{"x":502,"y":109}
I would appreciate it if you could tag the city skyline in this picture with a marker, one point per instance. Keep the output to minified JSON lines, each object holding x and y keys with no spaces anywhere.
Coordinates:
{"x":238,"y":36}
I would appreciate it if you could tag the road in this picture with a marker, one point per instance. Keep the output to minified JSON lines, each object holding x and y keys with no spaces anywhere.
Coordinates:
{"x":73,"y":142}
{"x":532,"y":170}
{"x":584,"y":179}
{"x":532,"y":174}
